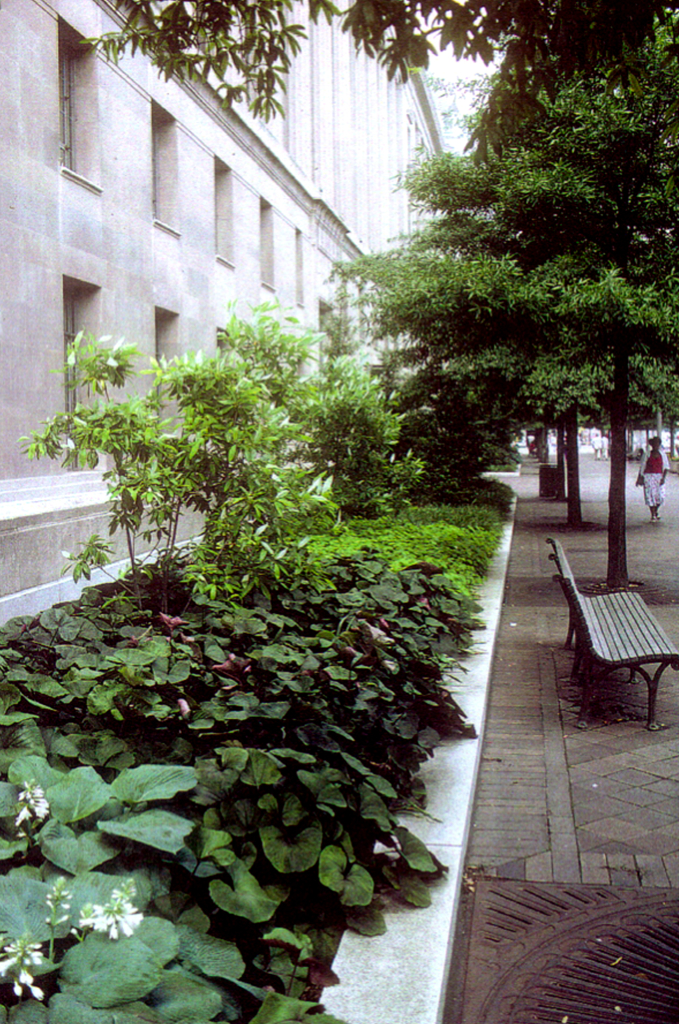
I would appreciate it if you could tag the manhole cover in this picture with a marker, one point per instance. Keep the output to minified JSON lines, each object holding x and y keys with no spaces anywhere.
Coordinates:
{"x":580,"y":954}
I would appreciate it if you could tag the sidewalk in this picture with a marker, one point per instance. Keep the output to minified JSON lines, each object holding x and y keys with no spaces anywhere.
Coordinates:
{"x":555,"y":804}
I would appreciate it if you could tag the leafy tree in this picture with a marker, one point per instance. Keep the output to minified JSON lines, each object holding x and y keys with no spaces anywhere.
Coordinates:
{"x":457,"y":419}
{"x":565,"y":244}
{"x":247,"y":46}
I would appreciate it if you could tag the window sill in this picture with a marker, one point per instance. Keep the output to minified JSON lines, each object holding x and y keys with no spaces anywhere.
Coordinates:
{"x":269,"y":287}
{"x":225,"y":261}
{"x":162,"y":226}
{"x":78,"y":179}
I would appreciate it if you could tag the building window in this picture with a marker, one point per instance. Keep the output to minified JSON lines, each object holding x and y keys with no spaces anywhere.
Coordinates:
{"x":167,"y":334}
{"x":80,"y":306}
{"x":266,"y":243}
{"x":78,"y":114}
{"x":165,"y":165}
{"x":299,"y":268}
{"x":67,"y":63}
{"x":223,"y":211}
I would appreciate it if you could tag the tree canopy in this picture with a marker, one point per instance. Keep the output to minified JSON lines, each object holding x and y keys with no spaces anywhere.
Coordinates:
{"x":248,"y":45}
{"x":560,"y":253}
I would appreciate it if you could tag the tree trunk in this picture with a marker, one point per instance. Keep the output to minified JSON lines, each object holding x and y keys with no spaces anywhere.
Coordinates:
{"x":560,"y":461}
{"x":571,"y":425}
{"x":617,"y":542}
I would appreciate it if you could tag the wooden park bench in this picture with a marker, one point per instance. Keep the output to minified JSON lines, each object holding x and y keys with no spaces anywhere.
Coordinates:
{"x":612,"y":631}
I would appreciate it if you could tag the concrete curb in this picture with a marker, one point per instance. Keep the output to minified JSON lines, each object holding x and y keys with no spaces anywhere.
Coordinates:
{"x":401,"y":975}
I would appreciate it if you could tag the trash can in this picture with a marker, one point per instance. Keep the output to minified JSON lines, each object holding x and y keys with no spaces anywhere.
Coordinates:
{"x":549,"y":478}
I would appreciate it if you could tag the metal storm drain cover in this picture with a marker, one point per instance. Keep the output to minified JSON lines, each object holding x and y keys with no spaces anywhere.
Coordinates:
{"x":572,"y":954}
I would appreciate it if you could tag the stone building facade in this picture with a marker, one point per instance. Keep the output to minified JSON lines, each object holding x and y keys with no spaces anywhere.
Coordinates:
{"x":138,"y":207}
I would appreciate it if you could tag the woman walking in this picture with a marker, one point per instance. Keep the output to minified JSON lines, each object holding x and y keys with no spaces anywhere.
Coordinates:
{"x":652,"y":476}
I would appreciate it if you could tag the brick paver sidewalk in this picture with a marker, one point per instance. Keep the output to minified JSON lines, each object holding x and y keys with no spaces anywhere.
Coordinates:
{"x":555,"y":803}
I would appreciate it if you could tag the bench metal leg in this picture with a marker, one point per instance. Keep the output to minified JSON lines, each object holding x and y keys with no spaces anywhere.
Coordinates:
{"x":576,"y":667}
{"x":652,"y":685}
{"x":571,"y":631}
{"x":591,"y":680}
{"x":585,"y":674}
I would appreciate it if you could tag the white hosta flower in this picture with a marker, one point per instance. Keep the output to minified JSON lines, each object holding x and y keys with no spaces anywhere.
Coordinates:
{"x":25,"y":979}
{"x":117,"y":917}
{"x":22,"y":956}
{"x":32,"y":803}
{"x":87,"y":916}
{"x":58,"y":898}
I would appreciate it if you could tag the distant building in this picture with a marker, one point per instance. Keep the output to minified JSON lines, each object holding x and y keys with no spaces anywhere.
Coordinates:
{"x":140,"y":208}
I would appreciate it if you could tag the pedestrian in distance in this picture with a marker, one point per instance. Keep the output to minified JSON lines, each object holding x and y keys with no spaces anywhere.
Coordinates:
{"x":652,"y":475}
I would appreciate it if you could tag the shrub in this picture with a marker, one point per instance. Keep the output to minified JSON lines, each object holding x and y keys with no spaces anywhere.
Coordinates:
{"x":353,"y":431}
{"x":223,"y":449}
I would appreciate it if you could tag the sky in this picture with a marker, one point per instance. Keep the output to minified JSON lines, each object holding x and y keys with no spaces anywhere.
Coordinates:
{"x":458,"y":73}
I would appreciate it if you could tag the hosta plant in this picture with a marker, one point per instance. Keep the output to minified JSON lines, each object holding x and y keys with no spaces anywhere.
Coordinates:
{"x":244,"y":766}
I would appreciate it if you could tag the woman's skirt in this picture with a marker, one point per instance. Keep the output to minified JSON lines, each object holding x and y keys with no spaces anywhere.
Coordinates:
{"x":654,"y":489}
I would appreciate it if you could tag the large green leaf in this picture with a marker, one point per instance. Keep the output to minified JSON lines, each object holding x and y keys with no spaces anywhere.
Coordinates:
{"x":414,"y":851}
{"x":104,"y":973}
{"x":72,"y":853}
{"x":59,"y":622}
{"x":179,"y":672}
{"x":16,"y":717}
{"x":104,"y":698}
{"x":246,"y":898}
{"x":233,"y":758}
{"x":280,"y":1009}
{"x":159,"y":935}
{"x":354,"y":884}
{"x":23,"y":907}
{"x":9,"y":848}
{"x":9,"y":696}
{"x":214,"y":844}
{"x":139,"y":657}
{"x":66,"y":1009}
{"x":332,"y":864}
{"x":410,"y":885}
{"x":183,"y":1000}
{"x":374,"y":808}
{"x":292,"y":851}
{"x":78,"y":794}
{"x":21,"y":740}
{"x":215,"y":957}
{"x":8,"y":799}
{"x":261,"y":770}
{"x":366,"y":920}
{"x":153,"y":782}
{"x":324,"y":786}
{"x":157,"y":828}
{"x":33,"y":768}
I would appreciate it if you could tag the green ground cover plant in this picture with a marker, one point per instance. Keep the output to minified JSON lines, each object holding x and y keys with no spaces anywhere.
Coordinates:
{"x":458,"y":542}
{"x":243,"y":767}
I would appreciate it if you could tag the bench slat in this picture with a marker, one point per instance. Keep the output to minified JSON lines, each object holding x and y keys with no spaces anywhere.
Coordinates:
{"x":626,"y":631}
